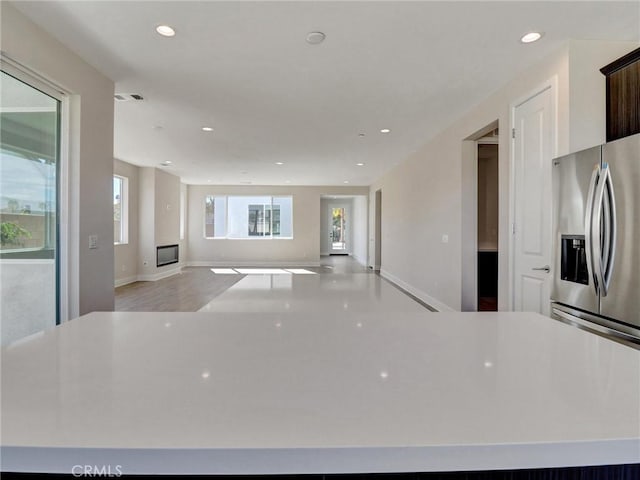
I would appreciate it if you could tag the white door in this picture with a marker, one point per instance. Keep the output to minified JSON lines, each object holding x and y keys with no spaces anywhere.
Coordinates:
{"x":533,"y":142}
{"x":339,"y":222}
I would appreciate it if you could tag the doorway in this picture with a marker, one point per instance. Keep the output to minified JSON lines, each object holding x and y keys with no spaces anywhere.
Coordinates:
{"x":487,"y":231}
{"x":481,"y":275}
{"x":338,"y":244}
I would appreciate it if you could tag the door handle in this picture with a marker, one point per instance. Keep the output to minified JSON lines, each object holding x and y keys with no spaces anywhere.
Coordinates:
{"x":604,"y":232}
{"x":588,"y":218}
{"x":546,"y":268}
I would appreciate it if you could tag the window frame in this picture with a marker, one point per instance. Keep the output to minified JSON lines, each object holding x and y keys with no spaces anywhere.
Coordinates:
{"x":67,"y":285}
{"x":124,"y":211}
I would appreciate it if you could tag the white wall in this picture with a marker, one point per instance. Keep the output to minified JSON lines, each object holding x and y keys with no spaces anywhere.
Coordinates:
{"x":159,"y":221}
{"x":154,"y":219}
{"x":91,"y":155}
{"x":302,"y":249}
{"x":146,"y":221}
{"x":126,"y":255}
{"x":422,"y":197}
{"x":184,"y":244}
{"x":360,"y":228}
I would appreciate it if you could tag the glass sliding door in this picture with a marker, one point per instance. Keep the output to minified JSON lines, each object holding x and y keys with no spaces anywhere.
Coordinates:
{"x":29,"y":165}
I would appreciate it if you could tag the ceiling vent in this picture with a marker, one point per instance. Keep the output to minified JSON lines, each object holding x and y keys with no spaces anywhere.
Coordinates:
{"x":126,"y":97}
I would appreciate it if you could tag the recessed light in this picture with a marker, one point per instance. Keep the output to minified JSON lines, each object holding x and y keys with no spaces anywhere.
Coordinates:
{"x":165,"y":30}
{"x":314,"y":38}
{"x":207,"y":129}
{"x":279,"y":163}
{"x":531,"y":37}
{"x":166,"y":163}
{"x":360,"y":164}
{"x":385,"y":130}
{"x":346,"y":181}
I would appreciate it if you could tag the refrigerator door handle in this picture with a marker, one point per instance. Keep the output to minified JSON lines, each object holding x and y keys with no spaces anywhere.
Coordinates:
{"x":603,"y":229}
{"x":597,"y":237}
{"x":610,"y":226}
{"x":588,"y":230}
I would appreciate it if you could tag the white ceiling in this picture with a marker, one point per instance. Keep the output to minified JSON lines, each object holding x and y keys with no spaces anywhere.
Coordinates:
{"x":245,"y":69}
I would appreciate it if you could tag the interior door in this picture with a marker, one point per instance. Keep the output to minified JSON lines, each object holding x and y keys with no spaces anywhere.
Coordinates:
{"x":533,"y":152}
{"x":339,"y":230}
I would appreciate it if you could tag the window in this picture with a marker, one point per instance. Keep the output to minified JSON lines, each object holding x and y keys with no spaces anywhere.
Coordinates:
{"x":261,"y":221}
{"x":248,"y":217}
{"x":28,"y":171}
{"x":215,"y":224}
{"x":120,"y":210}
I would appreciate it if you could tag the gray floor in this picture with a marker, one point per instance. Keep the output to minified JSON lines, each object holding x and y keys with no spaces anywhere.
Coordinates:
{"x":195,"y":287}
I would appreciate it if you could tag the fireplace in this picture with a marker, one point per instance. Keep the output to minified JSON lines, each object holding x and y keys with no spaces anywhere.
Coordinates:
{"x":166,"y":255}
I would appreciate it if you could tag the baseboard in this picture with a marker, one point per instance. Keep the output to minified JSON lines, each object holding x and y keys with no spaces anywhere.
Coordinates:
{"x":125,"y":281}
{"x":160,"y":275}
{"x":252,"y":264}
{"x":428,"y":299}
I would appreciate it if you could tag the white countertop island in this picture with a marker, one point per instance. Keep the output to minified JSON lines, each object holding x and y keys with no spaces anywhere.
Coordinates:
{"x":278,"y":393}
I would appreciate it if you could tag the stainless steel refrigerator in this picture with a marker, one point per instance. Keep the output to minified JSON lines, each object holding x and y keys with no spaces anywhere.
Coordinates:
{"x":596,"y":234}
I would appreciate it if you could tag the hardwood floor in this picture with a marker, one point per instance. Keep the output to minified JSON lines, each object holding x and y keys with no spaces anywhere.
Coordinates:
{"x":197,"y":286}
{"x":185,"y":292}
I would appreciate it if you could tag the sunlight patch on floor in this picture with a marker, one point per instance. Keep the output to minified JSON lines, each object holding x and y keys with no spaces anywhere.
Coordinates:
{"x":224,"y":271}
{"x":262,"y":271}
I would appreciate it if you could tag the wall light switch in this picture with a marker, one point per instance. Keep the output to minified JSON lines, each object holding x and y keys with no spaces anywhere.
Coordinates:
{"x":445,"y":238}
{"x":93,"y":242}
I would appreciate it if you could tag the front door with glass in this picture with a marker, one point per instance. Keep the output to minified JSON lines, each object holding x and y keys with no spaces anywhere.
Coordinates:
{"x":338,"y":230}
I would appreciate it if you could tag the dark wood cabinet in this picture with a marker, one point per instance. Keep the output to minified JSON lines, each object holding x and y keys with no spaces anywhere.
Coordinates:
{"x":623,"y":96}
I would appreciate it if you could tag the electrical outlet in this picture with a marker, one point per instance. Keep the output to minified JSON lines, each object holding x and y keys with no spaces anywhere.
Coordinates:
{"x":93,"y":242}
{"x":445,"y":238}
{"x":145,"y":263}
